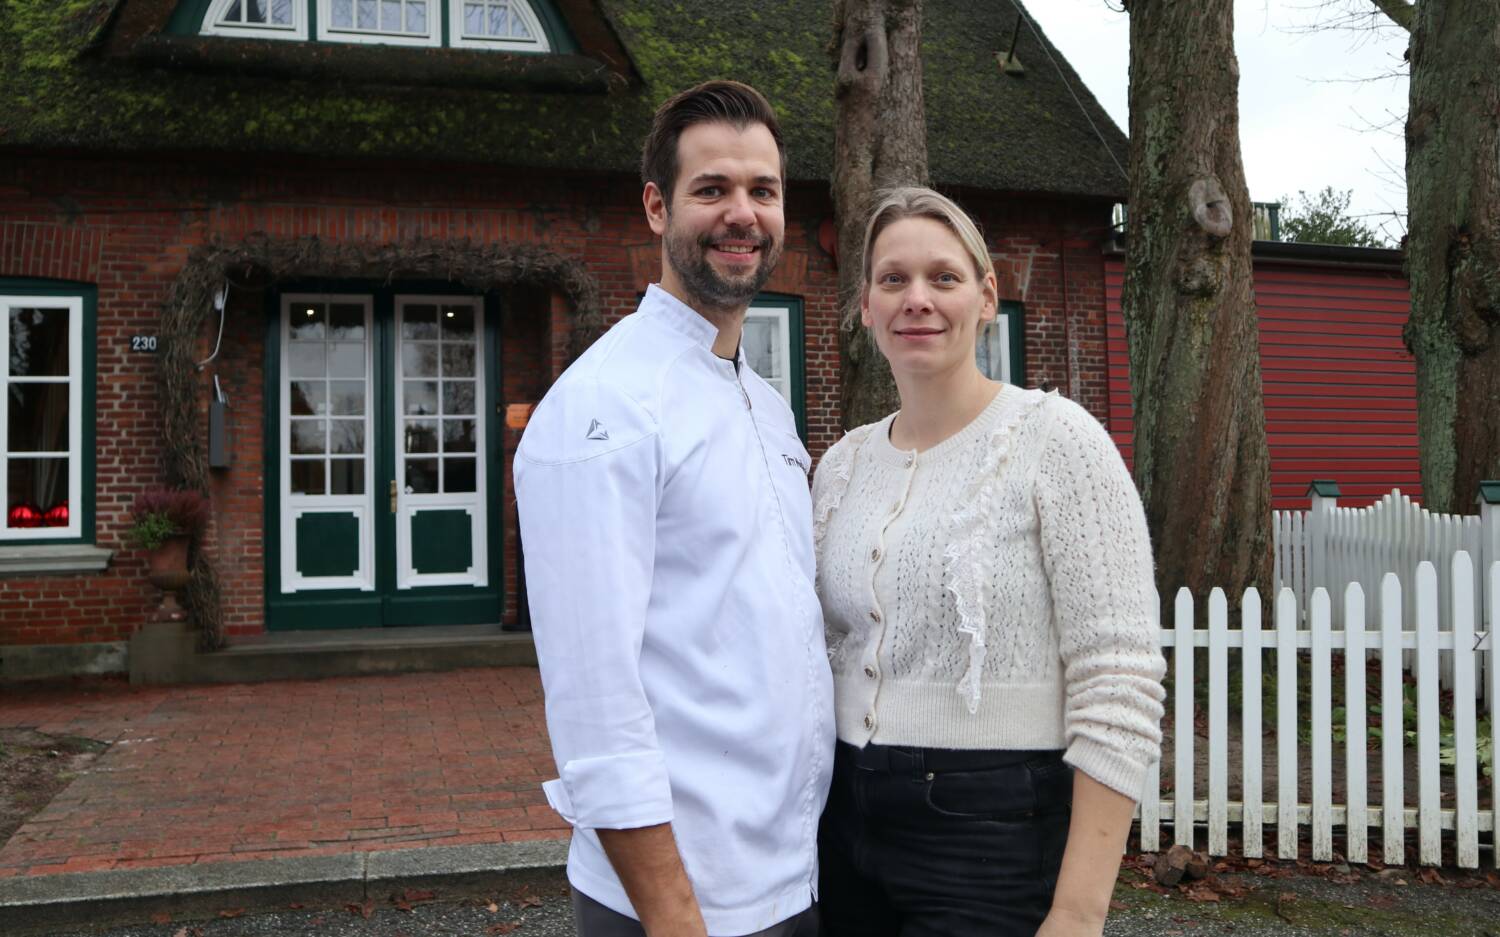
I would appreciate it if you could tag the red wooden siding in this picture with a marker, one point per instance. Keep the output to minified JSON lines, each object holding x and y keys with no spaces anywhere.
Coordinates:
{"x":1340,"y":387}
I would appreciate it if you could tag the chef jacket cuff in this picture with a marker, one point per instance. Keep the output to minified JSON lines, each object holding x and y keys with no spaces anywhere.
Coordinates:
{"x":613,"y":792}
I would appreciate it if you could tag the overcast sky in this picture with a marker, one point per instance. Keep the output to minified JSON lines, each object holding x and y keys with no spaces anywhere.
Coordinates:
{"x":1318,"y":107}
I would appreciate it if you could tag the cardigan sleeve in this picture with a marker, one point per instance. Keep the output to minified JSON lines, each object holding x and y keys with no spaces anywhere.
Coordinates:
{"x":1097,"y":556}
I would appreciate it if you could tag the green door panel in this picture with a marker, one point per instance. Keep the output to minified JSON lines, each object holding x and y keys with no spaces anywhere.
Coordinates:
{"x":327,"y":544}
{"x":442,"y":541}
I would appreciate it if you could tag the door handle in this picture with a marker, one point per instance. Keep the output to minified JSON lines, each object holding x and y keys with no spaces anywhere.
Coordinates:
{"x":393,"y":496}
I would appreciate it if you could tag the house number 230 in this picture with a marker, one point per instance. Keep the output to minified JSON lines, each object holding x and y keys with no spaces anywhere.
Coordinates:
{"x":143,"y":343}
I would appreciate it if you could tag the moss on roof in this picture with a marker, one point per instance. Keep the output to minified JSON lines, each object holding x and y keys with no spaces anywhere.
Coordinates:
{"x":987,"y":130}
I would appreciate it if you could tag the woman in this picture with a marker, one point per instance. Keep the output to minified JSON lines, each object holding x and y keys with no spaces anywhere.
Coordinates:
{"x":986,"y":580}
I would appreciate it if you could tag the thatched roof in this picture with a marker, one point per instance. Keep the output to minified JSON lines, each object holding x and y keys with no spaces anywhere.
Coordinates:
{"x":109,"y":76}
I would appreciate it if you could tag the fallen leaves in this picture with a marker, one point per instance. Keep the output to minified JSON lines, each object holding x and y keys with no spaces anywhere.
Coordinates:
{"x":411,"y":896}
{"x":505,"y":928}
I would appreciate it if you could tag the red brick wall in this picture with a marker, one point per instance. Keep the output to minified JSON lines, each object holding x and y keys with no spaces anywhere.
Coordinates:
{"x":128,"y":227}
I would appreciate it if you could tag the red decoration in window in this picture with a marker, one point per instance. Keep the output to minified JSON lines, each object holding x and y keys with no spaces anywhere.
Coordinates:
{"x":56,"y":516}
{"x":24,"y":515}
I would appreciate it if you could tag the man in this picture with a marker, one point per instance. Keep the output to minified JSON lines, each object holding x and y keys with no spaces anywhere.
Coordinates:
{"x":664,"y":505}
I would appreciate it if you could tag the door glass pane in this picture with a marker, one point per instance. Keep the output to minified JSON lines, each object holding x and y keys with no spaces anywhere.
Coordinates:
{"x":346,"y":360}
{"x":458,"y":360}
{"x":346,"y":321}
{"x":281,"y":12}
{"x":419,"y":398}
{"x":419,"y":322}
{"x":458,"y":397}
{"x":309,"y":398}
{"x":305,"y":359}
{"x":343,"y":14}
{"x":365,"y":15}
{"x":421,"y":436}
{"x":309,"y":436}
{"x":307,"y":477}
{"x":308,"y":322}
{"x":38,"y":418}
{"x":390,"y":15}
{"x":421,"y":476}
{"x":346,"y":437}
{"x":458,"y":323}
{"x":346,"y":398}
{"x":420,"y":359}
{"x":416,"y":17}
{"x":346,"y":476}
{"x":458,"y":475}
{"x":38,"y":342}
{"x":458,"y":435}
{"x":38,"y":487}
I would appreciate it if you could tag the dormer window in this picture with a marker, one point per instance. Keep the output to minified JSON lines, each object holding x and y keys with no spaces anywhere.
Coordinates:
{"x":499,"y":24}
{"x":503,"y":25}
{"x":402,"y":22}
{"x":266,"y":19}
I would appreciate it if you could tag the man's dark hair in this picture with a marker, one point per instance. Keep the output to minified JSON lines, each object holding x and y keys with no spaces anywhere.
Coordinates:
{"x":729,"y":102}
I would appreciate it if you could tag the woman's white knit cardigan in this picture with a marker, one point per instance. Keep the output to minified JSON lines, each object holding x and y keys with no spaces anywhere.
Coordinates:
{"x":994,"y":591}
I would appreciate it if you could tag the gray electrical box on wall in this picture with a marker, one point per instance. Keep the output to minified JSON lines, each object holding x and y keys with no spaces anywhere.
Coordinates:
{"x":219,"y":450}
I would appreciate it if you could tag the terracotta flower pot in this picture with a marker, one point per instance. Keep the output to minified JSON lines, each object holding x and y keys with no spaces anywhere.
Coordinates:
{"x":169,"y":573}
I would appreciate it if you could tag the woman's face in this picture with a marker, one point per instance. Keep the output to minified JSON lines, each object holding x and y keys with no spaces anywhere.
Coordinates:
{"x":923,"y":300}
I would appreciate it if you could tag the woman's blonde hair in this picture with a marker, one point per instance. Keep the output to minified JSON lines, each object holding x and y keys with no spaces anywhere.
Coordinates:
{"x":913,"y":201}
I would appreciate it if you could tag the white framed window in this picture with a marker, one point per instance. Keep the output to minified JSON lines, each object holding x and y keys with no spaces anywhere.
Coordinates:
{"x":767,"y":340}
{"x":998,"y":349}
{"x":385,"y":22}
{"x":42,"y":458}
{"x":496,"y":24}
{"x":262,"y":19}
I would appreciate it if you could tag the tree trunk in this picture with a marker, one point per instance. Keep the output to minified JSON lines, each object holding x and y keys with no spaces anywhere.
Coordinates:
{"x":880,"y":140}
{"x":1200,"y":433}
{"x":1453,"y":248}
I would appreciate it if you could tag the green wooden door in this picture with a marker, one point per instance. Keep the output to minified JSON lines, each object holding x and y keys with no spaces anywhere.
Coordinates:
{"x":382,"y":501}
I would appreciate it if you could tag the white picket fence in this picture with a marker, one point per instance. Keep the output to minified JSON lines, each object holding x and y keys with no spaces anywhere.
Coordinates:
{"x":1386,"y":633}
{"x":1329,"y":547}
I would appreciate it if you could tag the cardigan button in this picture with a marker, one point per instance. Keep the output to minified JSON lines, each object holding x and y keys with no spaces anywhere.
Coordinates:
{"x":871,"y":672}
{"x":875,"y":616}
{"x":909,"y":460}
{"x":875,"y":554}
{"x":869,"y":721}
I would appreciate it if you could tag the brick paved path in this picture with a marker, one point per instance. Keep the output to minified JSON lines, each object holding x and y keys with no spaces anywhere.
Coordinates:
{"x":212,"y":774}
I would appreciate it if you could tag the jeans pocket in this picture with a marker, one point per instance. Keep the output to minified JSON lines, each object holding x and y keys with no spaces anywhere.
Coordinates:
{"x":993,"y":794}
{"x":1052,"y":781}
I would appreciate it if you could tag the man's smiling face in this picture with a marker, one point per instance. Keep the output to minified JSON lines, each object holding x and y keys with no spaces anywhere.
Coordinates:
{"x":724,"y":227}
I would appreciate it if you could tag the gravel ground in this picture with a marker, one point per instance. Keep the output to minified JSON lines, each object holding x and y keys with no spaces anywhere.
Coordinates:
{"x":1396,"y":905}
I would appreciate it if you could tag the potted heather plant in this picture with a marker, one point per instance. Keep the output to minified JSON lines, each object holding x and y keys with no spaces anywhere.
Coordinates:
{"x":164,"y":523}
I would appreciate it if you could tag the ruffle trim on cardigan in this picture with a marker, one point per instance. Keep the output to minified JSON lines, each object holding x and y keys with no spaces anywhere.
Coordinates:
{"x":965,"y":554}
{"x":842,"y":466}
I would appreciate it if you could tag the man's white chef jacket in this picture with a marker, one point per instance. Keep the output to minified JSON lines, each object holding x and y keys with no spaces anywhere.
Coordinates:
{"x":666,"y":517}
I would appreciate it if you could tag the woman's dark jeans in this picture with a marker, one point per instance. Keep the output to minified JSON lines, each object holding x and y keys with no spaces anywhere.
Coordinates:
{"x":919,"y":841}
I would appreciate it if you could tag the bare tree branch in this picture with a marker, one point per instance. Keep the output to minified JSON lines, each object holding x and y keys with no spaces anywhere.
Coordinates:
{"x":1400,"y":12}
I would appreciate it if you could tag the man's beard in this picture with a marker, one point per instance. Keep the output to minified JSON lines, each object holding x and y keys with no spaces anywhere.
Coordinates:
{"x":688,"y":256}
